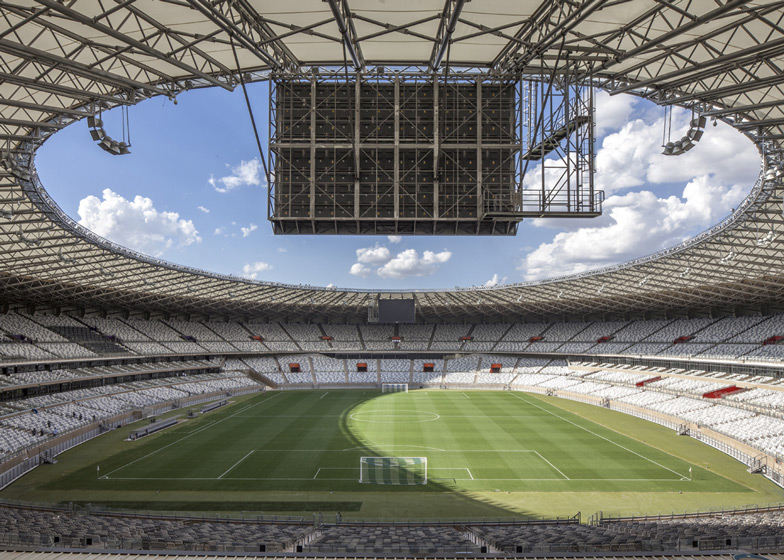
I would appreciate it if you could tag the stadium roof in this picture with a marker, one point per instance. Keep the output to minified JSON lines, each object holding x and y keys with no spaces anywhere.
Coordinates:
{"x":62,"y":62}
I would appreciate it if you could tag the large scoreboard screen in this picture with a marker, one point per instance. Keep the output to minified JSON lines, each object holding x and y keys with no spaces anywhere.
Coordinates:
{"x":396,"y":311}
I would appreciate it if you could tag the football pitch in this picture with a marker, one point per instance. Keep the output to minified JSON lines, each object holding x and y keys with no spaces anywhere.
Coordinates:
{"x":490,"y":447}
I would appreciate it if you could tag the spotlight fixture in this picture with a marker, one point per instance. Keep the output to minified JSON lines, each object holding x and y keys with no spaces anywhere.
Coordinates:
{"x":766,"y":240}
{"x":696,"y":130}
{"x":726,"y":259}
{"x":65,"y":260}
{"x":14,"y":168}
{"x":106,"y":142}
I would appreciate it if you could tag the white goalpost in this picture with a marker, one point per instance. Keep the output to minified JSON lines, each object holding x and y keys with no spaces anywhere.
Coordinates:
{"x":394,"y":387}
{"x":393,"y":470}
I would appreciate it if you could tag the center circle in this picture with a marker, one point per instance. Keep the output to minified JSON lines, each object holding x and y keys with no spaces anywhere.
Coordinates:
{"x":394,"y":416}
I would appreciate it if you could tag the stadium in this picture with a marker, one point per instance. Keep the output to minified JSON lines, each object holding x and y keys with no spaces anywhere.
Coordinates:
{"x":153,"y":408}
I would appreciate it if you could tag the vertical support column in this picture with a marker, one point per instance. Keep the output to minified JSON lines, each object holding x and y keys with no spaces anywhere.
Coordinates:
{"x":479,"y":191}
{"x":312,"y":210}
{"x":356,"y":150}
{"x":590,"y":152}
{"x":396,"y":179}
{"x":272,"y":136}
{"x":436,"y":152}
{"x":571,"y":142}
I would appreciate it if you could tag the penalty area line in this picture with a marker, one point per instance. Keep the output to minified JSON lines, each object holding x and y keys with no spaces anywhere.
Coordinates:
{"x":542,"y":457}
{"x":237,"y":463}
{"x":601,"y":436}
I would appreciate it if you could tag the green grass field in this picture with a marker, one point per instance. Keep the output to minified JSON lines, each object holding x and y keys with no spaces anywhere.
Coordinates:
{"x":488,"y":454}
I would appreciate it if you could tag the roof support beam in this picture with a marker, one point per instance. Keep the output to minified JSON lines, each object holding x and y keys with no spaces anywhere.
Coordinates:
{"x":87,"y":21}
{"x":29,"y":53}
{"x":73,"y":93}
{"x":213,"y":13}
{"x":45,"y":108}
{"x":448,"y":30}
{"x":726,"y":63}
{"x":344,"y":32}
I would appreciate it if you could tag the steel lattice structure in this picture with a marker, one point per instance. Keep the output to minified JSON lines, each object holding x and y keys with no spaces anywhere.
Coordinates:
{"x":62,"y":62}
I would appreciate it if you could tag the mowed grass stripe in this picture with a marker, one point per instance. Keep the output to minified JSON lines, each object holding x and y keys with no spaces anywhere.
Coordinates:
{"x":494,"y":440}
{"x":161,"y":444}
{"x":651,"y":463}
{"x":515,"y":433}
{"x":277,"y":457}
{"x":603,"y":437}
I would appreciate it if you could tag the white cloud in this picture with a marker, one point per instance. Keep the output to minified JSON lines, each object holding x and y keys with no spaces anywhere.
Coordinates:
{"x":359,"y":269}
{"x":246,"y":173}
{"x":634,"y":224}
{"x":373,"y":255}
{"x":246,"y":231}
{"x":282,"y":250}
{"x":409,"y":263}
{"x":612,"y":111}
{"x":633,"y":156}
{"x":136,"y":223}
{"x":395,"y":238}
{"x":203,"y":209}
{"x":495,"y":281}
{"x":251,"y":271}
{"x":218,"y":231}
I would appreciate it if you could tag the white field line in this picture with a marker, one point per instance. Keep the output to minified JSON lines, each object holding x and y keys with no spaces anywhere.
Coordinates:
{"x":189,"y":435}
{"x":458,"y":468}
{"x":549,"y":463}
{"x":237,"y":463}
{"x":317,"y":473}
{"x":469,"y":473}
{"x":324,"y":395}
{"x":466,"y":396}
{"x":504,"y":416}
{"x":391,"y":447}
{"x":600,"y":436}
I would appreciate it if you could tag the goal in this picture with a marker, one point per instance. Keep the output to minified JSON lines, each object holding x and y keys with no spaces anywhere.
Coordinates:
{"x":394,"y":387}
{"x":393,"y":470}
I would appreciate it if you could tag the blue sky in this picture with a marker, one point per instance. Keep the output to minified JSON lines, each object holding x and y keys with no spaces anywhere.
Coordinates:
{"x":192,"y":192}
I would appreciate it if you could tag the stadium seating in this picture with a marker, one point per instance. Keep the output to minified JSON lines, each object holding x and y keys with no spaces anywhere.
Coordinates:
{"x":489,"y":332}
{"x":419,"y":333}
{"x":465,"y":363}
{"x":727,"y":338}
{"x":389,"y":539}
{"x":451,"y":333}
{"x":60,"y":527}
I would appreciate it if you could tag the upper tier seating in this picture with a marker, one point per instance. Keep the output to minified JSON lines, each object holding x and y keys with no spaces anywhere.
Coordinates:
{"x":191,"y":328}
{"x":489,"y":332}
{"x":268,"y":331}
{"x":451,"y":333}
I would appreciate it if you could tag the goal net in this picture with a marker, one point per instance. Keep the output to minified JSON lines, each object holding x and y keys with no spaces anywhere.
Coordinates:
{"x":394,"y":387}
{"x":393,"y":470}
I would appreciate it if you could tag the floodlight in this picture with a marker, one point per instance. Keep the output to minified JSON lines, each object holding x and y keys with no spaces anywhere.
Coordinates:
{"x":105,"y":143}
{"x":698,"y":122}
